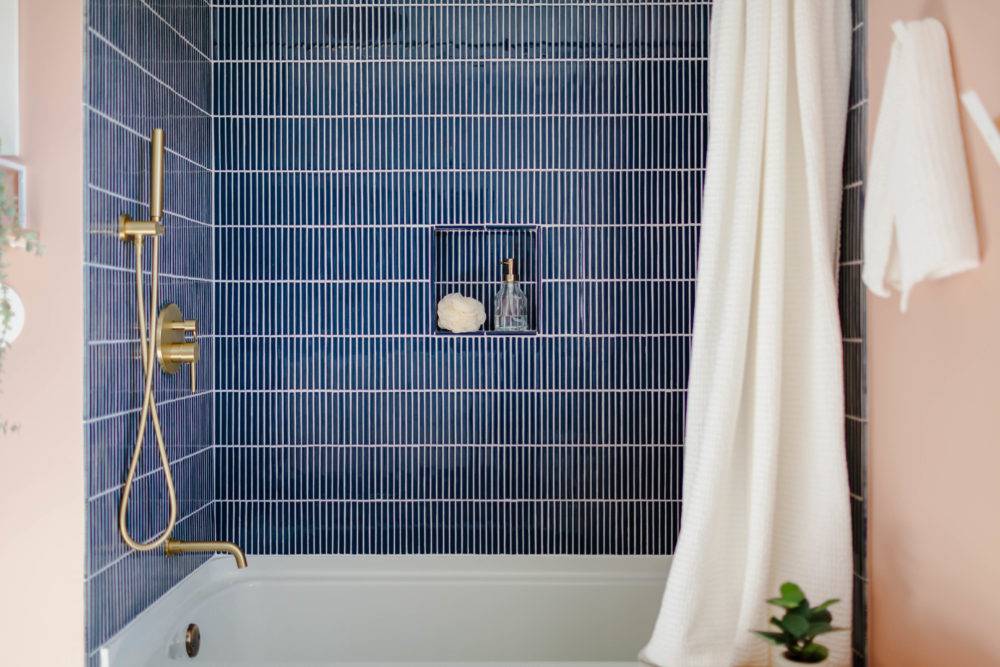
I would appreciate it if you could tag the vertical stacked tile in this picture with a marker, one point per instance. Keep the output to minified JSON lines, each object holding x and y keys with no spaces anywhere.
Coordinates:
{"x":148,"y":66}
{"x":345,"y":133}
{"x":852,"y":318}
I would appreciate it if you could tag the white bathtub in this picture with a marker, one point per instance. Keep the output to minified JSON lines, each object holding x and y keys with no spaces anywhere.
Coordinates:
{"x":402,"y":610}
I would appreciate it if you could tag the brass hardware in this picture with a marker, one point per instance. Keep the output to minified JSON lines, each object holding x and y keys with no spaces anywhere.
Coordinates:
{"x":156,"y":175}
{"x":135,"y":230}
{"x":129,"y":229}
{"x":192,"y":640}
{"x":172,"y":348}
{"x":174,"y":547}
{"x":148,"y":406}
{"x":509,"y":276}
{"x":169,"y":346}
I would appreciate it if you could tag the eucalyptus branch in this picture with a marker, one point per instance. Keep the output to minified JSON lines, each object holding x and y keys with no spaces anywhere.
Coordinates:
{"x":12,"y":235}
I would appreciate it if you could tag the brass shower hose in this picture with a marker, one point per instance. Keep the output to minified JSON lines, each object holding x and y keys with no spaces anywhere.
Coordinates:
{"x":148,"y":348}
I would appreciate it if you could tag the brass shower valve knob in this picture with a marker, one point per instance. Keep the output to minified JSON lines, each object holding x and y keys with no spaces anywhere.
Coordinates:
{"x":173,"y":347}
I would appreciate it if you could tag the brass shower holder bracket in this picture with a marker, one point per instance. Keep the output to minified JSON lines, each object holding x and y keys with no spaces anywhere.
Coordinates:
{"x":173,"y":348}
{"x":131,"y":230}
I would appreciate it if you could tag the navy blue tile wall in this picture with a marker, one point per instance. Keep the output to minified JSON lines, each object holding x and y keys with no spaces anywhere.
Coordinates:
{"x":345,"y":134}
{"x":852,"y":320}
{"x":148,"y":66}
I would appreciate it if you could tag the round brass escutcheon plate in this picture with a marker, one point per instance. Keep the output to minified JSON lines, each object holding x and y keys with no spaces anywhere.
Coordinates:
{"x":166,"y":334}
{"x":192,"y":640}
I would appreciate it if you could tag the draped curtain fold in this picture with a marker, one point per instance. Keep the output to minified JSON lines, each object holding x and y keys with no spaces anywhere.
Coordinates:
{"x":766,"y":496}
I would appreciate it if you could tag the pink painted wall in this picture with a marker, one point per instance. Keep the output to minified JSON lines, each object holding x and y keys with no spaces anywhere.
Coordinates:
{"x":41,"y":467}
{"x":934,"y":380}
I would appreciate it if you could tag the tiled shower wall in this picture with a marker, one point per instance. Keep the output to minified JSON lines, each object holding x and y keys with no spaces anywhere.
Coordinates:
{"x":852,"y":318}
{"x":148,"y":66}
{"x":345,"y":134}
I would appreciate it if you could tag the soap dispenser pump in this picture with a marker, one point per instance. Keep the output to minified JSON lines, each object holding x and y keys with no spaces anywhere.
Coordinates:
{"x":510,"y":310}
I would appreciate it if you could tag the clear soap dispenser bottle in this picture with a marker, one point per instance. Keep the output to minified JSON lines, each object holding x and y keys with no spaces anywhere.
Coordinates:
{"x":510,"y":310}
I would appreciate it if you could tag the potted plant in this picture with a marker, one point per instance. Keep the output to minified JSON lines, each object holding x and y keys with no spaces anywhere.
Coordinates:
{"x":800,"y":626}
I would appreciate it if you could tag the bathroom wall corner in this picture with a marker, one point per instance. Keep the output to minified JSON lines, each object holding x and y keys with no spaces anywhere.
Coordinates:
{"x":853,"y":313}
{"x":147,"y":66}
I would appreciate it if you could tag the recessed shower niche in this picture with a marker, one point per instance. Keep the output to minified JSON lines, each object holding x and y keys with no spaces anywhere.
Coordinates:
{"x":468,"y":259}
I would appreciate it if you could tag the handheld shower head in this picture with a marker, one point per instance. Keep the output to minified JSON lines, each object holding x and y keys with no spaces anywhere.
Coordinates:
{"x":156,"y":176}
{"x":136,"y":230}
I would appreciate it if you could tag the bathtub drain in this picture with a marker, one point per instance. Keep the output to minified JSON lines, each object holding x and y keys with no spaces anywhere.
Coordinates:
{"x":192,"y":640}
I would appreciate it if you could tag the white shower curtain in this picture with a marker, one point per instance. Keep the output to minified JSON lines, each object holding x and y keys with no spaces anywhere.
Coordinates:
{"x":765,"y":481}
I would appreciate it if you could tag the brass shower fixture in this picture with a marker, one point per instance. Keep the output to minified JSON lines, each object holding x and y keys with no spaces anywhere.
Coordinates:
{"x":173,"y":349}
{"x":168,"y":345}
{"x":136,"y":230}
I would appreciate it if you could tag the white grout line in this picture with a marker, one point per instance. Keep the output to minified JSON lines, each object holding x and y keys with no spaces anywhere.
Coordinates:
{"x":156,"y":471}
{"x":457,"y":390}
{"x":452,"y":61}
{"x":177,"y":32}
{"x":585,"y":279}
{"x":167,"y":211}
{"x":124,"y":269}
{"x":441,"y":5}
{"x":451,"y":445}
{"x":472,"y":170}
{"x":448,"y":226}
{"x":213,"y":484}
{"x":139,"y":135}
{"x":115,"y":48}
{"x":455,"y":116}
{"x":416,"y":501}
{"x":122,"y":413}
{"x":113,"y":341}
{"x":424,"y":281}
{"x":444,"y":335}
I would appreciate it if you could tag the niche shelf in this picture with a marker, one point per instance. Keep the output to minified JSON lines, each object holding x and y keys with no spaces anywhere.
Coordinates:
{"x":466,"y":259}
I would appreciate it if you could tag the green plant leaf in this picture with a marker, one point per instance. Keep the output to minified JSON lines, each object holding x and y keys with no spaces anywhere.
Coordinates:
{"x":792,"y":592}
{"x":782,"y":602}
{"x":827,"y":604}
{"x":776,"y":621}
{"x":817,"y":615}
{"x":779,"y":638}
{"x":820,"y":628}
{"x":795,"y":625}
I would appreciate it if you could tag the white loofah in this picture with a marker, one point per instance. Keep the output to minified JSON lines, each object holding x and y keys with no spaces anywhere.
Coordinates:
{"x":460,"y":314}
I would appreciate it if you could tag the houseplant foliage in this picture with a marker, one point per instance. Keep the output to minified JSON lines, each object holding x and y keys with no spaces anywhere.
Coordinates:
{"x":12,"y":235}
{"x":800,"y":626}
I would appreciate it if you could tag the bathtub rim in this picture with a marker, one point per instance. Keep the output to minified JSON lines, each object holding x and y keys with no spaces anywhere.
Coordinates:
{"x":134,"y":643}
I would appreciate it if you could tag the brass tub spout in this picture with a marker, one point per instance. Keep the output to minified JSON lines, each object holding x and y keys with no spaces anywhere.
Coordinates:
{"x":174,"y":547}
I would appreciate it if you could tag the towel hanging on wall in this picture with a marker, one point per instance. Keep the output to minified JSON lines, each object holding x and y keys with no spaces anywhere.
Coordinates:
{"x":766,"y":496}
{"x":919,"y":221}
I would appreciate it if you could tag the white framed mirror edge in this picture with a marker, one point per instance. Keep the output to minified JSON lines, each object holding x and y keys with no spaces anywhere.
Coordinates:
{"x":10,"y":124}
